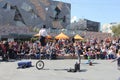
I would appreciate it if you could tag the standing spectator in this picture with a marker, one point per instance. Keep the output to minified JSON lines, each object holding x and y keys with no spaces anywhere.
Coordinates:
{"x":118,"y":60}
{"x":80,"y":51}
{"x":77,"y":53}
{"x":89,"y":54}
{"x":5,"y":47}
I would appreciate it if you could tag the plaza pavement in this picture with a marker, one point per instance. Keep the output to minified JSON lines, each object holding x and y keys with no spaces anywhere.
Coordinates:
{"x":57,"y":70}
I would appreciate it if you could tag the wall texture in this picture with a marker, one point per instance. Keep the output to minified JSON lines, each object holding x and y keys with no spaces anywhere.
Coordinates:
{"x":35,"y":13}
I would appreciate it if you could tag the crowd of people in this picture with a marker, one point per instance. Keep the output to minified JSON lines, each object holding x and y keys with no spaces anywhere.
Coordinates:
{"x":95,"y":49}
{"x":91,"y":48}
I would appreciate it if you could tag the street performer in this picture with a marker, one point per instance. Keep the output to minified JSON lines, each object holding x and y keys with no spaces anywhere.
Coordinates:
{"x":43,"y":34}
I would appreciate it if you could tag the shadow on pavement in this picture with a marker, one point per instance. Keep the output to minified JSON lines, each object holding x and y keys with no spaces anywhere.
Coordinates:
{"x":55,"y":69}
{"x":83,"y":70}
{"x":24,"y":67}
{"x":60,"y":69}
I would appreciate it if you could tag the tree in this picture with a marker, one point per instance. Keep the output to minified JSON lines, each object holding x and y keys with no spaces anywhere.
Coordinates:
{"x":116,"y":30}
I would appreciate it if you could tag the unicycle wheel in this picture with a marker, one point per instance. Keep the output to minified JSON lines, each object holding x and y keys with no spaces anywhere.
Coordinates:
{"x":39,"y":64}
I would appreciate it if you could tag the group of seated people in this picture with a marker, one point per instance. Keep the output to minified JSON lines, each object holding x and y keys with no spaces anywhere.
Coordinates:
{"x":94,"y":48}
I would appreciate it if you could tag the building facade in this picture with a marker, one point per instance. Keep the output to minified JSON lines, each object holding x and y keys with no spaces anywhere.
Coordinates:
{"x":33,"y":14}
{"x":84,"y":24}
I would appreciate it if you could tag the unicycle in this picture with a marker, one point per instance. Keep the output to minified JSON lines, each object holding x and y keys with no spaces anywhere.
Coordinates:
{"x":39,"y":64}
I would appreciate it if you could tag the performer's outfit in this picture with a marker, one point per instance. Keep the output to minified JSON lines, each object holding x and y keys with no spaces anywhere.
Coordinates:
{"x":43,"y":34}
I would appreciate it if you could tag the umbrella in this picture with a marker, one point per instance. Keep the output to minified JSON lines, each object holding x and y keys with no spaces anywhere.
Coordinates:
{"x":61,"y":36}
{"x":37,"y":35}
{"x":77,"y":36}
{"x":49,"y":37}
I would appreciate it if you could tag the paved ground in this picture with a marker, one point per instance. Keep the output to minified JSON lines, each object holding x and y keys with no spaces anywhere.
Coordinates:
{"x":56,"y":70}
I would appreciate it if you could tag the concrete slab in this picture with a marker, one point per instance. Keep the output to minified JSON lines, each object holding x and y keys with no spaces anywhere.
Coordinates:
{"x":57,"y":70}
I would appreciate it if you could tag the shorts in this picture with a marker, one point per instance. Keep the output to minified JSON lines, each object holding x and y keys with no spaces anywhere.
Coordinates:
{"x":42,"y":41}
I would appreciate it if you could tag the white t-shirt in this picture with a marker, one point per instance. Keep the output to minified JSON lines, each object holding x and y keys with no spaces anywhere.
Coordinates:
{"x":43,"y":32}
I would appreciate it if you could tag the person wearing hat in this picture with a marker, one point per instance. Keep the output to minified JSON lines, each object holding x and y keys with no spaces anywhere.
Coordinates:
{"x":43,"y":34}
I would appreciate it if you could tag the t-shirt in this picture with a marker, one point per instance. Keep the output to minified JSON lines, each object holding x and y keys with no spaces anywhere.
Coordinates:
{"x":43,"y":32}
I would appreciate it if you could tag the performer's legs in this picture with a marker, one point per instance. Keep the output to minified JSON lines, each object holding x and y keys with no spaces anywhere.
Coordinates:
{"x":42,"y":41}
